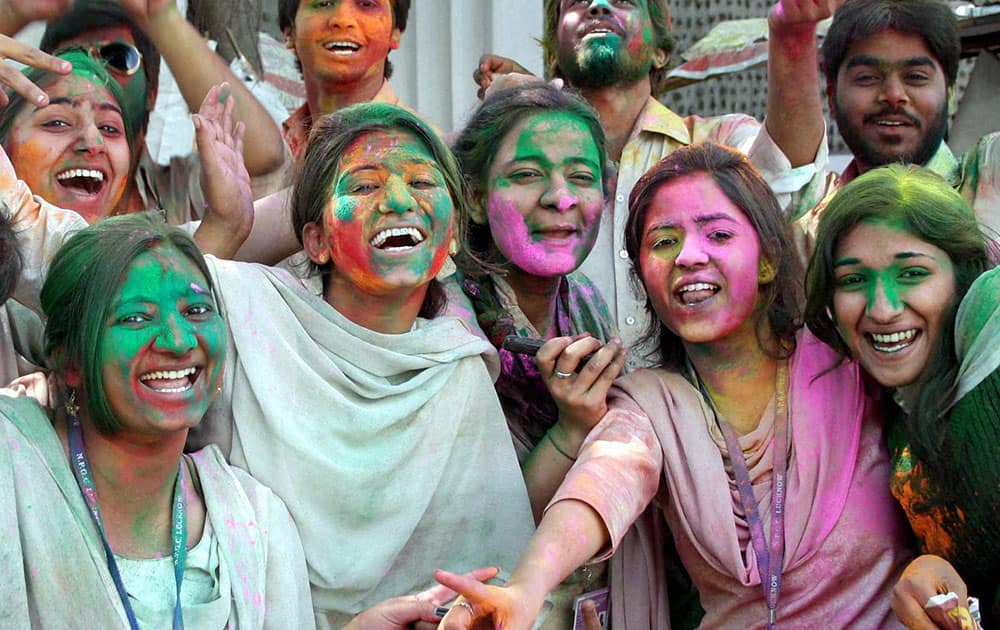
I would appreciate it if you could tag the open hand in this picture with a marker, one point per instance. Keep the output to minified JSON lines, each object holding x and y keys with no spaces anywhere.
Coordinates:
{"x":224,"y":177}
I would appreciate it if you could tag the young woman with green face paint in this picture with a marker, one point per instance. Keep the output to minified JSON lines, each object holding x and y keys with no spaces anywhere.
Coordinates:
{"x":764,"y":463}
{"x":898,"y":283}
{"x":129,"y":521}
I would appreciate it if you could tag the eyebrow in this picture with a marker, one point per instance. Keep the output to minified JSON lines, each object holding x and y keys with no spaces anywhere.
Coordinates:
{"x":699,"y":221}
{"x":537,"y":156}
{"x":870,"y":60}
{"x":841,"y":262}
{"x":63,"y":100}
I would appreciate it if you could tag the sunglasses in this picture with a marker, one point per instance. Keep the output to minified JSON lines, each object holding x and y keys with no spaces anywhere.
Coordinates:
{"x":119,"y":57}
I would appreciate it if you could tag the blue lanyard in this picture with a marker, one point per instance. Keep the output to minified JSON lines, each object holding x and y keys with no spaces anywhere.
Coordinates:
{"x":81,"y":469}
{"x":770,"y":559}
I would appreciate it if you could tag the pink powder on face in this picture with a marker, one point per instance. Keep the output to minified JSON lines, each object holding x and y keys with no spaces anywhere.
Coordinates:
{"x":525,"y":246}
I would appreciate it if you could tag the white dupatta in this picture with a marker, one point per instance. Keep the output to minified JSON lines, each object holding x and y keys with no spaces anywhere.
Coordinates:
{"x":391,"y":451}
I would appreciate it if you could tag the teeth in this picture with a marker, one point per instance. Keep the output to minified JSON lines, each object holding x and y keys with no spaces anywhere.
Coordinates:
{"x":81,"y":172}
{"x":174,"y":390}
{"x":893,"y":342}
{"x":384,"y":235}
{"x":168,"y":375}
{"x":889,"y":123}
{"x":342,"y":46}
{"x":697,"y":286}
{"x":896,"y":337}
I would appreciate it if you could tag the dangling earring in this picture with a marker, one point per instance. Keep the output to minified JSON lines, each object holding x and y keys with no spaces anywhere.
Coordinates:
{"x":453,"y":247}
{"x":72,"y":409}
{"x":765,"y":271}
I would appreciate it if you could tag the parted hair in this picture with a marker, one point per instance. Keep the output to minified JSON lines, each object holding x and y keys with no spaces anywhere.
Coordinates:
{"x":331,"y":136}
{"x":85,"y":272}
{"x":777,"y":312}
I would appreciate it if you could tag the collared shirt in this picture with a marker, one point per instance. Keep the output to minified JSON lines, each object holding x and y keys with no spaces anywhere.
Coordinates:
{"x":657,"y":133}
{"x":297,"y":127}
{"x":976,"y":177}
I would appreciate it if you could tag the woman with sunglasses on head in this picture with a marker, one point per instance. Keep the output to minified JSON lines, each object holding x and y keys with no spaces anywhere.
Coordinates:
{"x":898,"y":283}
{"x":76,"y":151}
{"x":767,"y":464}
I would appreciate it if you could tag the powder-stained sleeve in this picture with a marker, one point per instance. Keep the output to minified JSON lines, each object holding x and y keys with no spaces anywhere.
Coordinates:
{"x":41,"y":229}
{"x":618,"y":470}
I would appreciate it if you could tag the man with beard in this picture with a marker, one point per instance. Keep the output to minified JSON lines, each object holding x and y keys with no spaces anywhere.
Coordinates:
{"x":615,"y":53}
{"x":890,"y":69}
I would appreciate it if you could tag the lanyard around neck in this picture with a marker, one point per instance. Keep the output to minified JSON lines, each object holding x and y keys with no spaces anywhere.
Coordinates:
{"x":770,"y":559}
{"x":81,"y":470}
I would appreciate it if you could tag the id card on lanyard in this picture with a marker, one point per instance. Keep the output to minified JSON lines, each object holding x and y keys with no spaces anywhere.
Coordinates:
{"x":81,"y":470}
{"x":770,"y":557}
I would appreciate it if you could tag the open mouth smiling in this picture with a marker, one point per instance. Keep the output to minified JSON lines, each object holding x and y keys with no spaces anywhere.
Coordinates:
{"x":893,"y":342}
{"x":342,"y":47}
{"x":170,"y":381}
{"x":695,"y":293}
{"x":87,"y":181}
{"x":599,"y":28}
{"x":397,"y":239}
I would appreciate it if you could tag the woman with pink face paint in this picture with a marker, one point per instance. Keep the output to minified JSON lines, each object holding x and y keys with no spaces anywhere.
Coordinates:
{"x":768,"y":465}
{"x":535,"y":159}
{"x":899,"y":283}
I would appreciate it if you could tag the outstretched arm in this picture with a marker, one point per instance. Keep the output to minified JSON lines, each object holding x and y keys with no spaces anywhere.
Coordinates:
{"x":197,"y":69}
{"x":794,"y":106}
{"x":570,"y":534}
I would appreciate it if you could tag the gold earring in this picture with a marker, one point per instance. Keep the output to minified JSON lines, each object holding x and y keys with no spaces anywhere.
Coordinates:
{"x":765,"y":272}
{"x":453,"y":247}
{"x":72,"y":409}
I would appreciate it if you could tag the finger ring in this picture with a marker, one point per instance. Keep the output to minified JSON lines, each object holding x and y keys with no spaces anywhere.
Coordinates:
{"x":466,"y":605}
{"x":559,"y":374}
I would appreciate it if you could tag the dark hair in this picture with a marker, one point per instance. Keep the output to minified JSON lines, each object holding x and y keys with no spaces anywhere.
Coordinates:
{"x":332,"y":134}
{"x":76,"y":297}
{"x":10,"y":256}
{"x":288,"y":9}
{"x":91,"y":15}
{"x":931,"y":20}
{"x":663,"y":39}
{"x":927,"y":207}
{"x":478,"y":143}
{"x":738,"y":180}
{"x":83,"y":65}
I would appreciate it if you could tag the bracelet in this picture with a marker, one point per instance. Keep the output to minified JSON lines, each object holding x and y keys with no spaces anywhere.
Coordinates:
{"x":548,"y":434}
